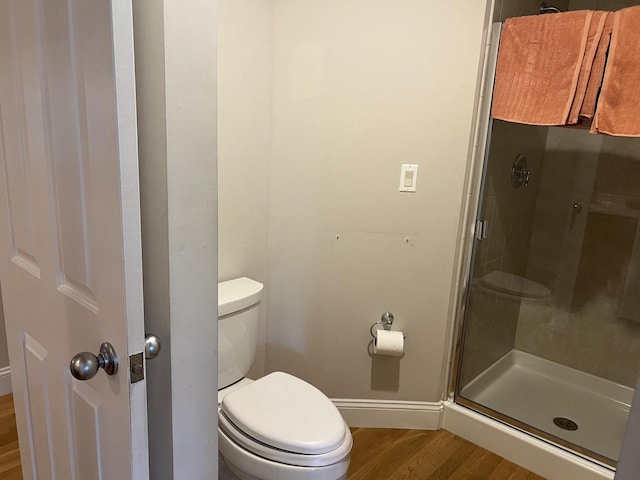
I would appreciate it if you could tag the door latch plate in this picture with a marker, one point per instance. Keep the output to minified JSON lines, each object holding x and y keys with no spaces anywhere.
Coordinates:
{"x":136,"y":366}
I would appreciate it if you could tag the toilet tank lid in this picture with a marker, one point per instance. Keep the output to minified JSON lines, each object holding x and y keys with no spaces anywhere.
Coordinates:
{"x":237,"y":294}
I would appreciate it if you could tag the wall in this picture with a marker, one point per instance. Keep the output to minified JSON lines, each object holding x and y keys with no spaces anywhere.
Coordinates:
{"x":176,"y":46}
{"x":359,"y":88}
{"x":600,"y":4}
{"x":4,"y":351}
{"x":244,"y":92}
{"x":517,"y":8}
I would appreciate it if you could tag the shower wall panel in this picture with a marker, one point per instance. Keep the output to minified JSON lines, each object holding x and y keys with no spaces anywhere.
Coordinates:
{"x":516,"y":8}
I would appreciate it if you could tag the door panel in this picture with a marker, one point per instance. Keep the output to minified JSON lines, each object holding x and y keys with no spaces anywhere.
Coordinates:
{"x":86,"y":409}
{"x":39,"y":428}
{"x":69,"y":216}
{"x":15,"y":140}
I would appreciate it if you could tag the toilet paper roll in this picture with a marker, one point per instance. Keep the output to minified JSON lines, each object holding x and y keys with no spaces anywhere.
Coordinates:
{"x":388,"y":343}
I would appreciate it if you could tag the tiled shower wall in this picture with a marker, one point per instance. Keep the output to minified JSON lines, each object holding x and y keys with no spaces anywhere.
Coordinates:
{"x":509,"y":210}
{"x":611,"y":5}
{"x":516,"y":8}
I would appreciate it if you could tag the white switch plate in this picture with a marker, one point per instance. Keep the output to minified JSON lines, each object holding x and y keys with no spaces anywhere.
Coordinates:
{"x":408,"y":177}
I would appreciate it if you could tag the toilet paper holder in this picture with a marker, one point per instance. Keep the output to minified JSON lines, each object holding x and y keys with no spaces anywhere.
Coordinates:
{"x":386,"y":320}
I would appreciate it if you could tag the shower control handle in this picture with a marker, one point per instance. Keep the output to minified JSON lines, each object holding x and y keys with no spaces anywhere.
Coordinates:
{"x":520,"y":173}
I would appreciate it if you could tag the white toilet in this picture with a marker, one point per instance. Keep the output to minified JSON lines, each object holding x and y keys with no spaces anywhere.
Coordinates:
{"x":278,"y":427}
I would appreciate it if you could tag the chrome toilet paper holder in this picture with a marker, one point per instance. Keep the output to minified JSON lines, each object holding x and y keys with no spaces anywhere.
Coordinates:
{"x":386,"y":320}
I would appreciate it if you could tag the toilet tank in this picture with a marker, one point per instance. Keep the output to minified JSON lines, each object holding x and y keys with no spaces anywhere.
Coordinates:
{"x":238,"y":313}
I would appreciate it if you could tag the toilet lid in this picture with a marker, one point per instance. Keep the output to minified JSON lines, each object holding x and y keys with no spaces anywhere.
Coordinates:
{"x":285,"y":412}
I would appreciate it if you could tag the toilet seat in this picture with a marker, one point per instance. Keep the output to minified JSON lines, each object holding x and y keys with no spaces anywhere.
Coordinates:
{"x":286,"y":413}
{"x":282,"y":456}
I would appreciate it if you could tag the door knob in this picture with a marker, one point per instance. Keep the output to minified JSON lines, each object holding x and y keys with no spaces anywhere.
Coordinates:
{"x":85,"y":365}
{"x":152,"y":346}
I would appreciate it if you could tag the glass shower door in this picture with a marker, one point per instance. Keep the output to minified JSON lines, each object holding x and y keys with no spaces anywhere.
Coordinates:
{"x":551,"y":337}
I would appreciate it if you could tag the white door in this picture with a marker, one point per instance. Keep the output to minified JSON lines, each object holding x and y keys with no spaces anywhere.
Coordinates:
{"x":70,"y":258}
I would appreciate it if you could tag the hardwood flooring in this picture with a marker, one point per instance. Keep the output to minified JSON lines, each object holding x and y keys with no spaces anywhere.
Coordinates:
{"x":9,"y":451}
{"x":385,"y":454}
{"x":378,"y":454}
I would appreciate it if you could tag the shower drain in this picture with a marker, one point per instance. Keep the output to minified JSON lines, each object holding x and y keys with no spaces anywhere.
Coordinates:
{"x":565,"y":423}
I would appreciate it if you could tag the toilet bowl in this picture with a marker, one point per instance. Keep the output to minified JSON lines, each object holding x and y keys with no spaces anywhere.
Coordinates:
{"x":278,"y":427}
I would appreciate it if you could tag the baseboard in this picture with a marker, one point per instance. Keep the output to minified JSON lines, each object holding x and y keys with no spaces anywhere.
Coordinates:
{"x":542,"y":458}
{"x":5,"y":381}
{"x":390,"y":414}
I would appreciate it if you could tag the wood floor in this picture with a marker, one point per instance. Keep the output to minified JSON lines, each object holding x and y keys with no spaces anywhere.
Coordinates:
{"x":9,"y":452}
{"x":378,"y":454}
{"x":385,"y":454}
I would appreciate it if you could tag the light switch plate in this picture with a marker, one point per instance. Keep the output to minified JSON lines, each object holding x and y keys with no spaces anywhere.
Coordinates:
{"x":408,"y":177}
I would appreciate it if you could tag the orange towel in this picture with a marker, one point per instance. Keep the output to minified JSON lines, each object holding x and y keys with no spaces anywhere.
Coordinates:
{"x":539,"y":63}
{"x":597,"y":70}
{"x":593,"y":41}
{"x":618,"y":111}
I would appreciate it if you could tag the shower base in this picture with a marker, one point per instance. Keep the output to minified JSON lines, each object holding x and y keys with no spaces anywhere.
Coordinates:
{"x":536,"y":391}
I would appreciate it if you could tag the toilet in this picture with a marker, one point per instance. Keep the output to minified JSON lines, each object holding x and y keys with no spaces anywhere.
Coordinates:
{"x":278,"y":427}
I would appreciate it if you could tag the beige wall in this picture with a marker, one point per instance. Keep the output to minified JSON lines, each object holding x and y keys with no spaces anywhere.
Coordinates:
{"x":359,"y":88}
{"x":4,"y":352}
{"x":176,"y":50}
{"x":244,"y":109}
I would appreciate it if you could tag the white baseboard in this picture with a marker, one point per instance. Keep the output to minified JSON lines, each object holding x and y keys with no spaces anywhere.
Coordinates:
{"x":5,"y":381}
{"x":540,"y":457}
{"x":390,"y":414}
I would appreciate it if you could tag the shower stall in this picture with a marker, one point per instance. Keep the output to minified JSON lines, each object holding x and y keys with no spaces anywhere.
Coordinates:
{"x":550,"y":325}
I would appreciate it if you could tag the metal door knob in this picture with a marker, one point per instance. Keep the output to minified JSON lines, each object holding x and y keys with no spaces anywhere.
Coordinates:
{"x":152,"y":346}
{"x":85,"y":365}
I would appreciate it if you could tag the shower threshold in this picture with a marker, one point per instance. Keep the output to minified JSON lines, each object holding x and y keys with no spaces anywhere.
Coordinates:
{"x":535,"y":391}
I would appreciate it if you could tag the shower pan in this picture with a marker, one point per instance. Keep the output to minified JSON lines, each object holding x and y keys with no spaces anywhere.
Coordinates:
{"x":549,"y":325}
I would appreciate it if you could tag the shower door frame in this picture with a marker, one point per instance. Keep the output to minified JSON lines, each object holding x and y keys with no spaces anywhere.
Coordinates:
{"x":467,"y":258}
